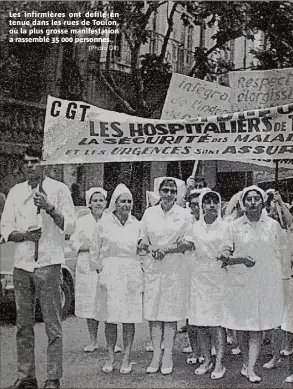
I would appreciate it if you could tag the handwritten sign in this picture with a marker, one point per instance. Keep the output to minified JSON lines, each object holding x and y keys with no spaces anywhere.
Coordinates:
{"x":260,"y":89}
{"x":190,"y":97}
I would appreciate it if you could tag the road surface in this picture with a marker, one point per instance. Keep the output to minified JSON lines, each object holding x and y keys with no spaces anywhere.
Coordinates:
{"x":83,"y":370}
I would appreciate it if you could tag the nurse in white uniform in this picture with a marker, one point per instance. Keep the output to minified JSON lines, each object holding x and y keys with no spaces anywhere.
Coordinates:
{"x":287,"y":324}
{"x":254,"y":292}
{"x":207,"y":283}
{"x":86,"y":280}
{"x":193,"y":348}
{"x":163,"y":232}
{"x":120,"y":274}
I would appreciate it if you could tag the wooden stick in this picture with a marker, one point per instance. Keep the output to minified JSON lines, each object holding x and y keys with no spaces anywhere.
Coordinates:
{"x":279,"y":211}
{"x":36,"y":254}
{"x":276,"y":174}
{"x":194,"y":170}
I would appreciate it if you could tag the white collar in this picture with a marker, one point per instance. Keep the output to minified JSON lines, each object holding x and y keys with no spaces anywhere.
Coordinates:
{"x":263,"y":218}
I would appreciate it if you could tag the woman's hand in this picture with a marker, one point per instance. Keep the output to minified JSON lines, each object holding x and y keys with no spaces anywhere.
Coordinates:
{"x":143,"y":249}
{"x":158,"y":254}
{"x":225,"y":261}
{"x":230,"y":261}
{"x":99,"y":268}
{"x":34,"y":235}
{"x":249,"y":262}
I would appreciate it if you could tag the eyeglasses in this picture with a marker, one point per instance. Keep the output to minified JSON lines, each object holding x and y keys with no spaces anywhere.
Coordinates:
{"x":32,"y":161}
{"x":198,"y":185}
{"x":167,"y":190}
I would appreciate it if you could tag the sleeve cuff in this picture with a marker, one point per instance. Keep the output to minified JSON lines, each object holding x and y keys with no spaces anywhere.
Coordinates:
{"x":69,"y":226}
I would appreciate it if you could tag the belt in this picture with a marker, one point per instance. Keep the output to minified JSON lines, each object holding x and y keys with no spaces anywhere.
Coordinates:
{"x":83,"y":251}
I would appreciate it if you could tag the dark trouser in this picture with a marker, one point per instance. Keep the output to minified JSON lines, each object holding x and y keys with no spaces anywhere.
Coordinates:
{"x":291,"y":364}
{"x":45,"y":284}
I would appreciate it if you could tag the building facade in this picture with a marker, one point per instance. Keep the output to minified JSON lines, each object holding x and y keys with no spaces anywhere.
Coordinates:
{"x":30,"y":72}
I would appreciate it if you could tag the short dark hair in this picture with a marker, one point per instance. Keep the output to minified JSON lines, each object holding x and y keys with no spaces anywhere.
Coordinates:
{"x":254,"y":190}
{"x":270,"y":198}
{"x":193,"y":196}
{"x":211,"y":195}
{"x":32,"y":151}
{"x":201,"y":179}
{"x":167,"y":181}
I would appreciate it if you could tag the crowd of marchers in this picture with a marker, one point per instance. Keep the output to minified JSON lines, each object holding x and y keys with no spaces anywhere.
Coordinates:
{"x":226,"y":270}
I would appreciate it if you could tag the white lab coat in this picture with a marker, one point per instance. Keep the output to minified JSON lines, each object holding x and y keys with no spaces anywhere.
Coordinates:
{"x":166,"y":285}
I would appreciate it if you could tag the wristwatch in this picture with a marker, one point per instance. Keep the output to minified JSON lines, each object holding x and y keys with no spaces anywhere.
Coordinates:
{"x":50,"y":210}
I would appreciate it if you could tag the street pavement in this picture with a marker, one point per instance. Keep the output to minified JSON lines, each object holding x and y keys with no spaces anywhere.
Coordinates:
{"x":83,"y":370}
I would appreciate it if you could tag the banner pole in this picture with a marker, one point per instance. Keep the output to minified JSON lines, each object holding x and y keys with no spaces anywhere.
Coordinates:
{"x":36,"y":253}
{"x":276,"y":174}
{"x":194,"y":170}
{"x":180,"y":170}
{"x":279,"y":211}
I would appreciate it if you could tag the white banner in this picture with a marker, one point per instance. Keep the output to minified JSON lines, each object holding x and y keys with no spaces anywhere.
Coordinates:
{"x":76,"y":133}
{"x":260,"y":89}
{"x":189,"y":97}
{"x":282,"y":163}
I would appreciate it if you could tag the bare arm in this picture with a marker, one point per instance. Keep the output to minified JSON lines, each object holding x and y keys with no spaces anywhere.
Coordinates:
{"x":285,"y":213}
{"x":56,"y":216}
{"x":230,"y":260}
{"x":17,"y":236}
{"x":179,"y":247}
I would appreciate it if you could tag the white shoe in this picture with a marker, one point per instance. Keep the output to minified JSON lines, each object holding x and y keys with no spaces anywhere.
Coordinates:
{"x":191,"y":360}
{"x":236,"y":351}
{"x":152,"y":370}
{"x":289,"y":379}
{"x":149,"y":347}
{"x":244,"y":371}
{"x":213,"y":351}
{"x":108,"y":367}
{"x":217,"y":375}
{"x":254,"y":379}
{"x":271,"y":364}
{"x":126,"y":370}
{"x":187,"y":350}
{"x":229,"y":340}
{"x":117,"y":349}
{"x":203,"y":370}
{"x":286,"y":353}
{"x":90,"y":348}
{"x":166,"y":370}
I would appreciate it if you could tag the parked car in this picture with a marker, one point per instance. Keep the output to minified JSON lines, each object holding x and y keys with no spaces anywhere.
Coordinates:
{"x":7,"y":287}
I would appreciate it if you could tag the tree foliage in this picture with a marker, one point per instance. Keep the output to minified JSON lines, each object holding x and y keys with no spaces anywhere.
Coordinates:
{"x":229,"y":19}
{"x":275,"y":20}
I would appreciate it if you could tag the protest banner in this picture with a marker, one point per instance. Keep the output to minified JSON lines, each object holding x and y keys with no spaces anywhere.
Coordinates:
{"x":283,"y":163}
{"x":260,"y":89}
{"x":83,"y":136}
{"x":269,"y":175}
{"x":189,"y":97}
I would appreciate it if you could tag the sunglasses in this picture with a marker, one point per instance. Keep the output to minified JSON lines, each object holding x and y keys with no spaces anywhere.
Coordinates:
{"x":126,"y":201}
{"x":167,"y":190}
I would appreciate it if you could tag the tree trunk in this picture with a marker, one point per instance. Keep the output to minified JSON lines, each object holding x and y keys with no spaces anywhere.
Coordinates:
{"x":168,"y":33}
{"x":137,"y":80}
